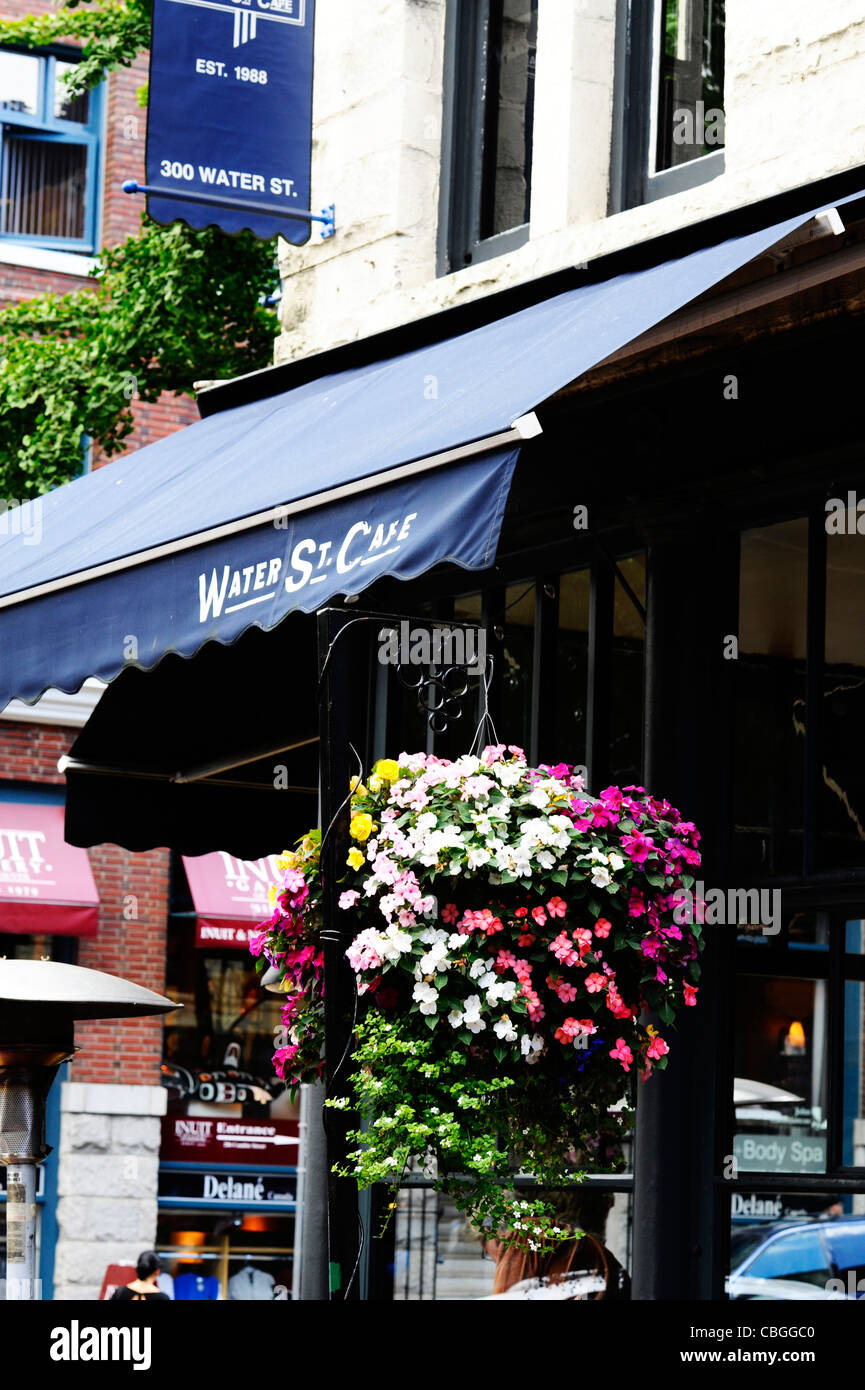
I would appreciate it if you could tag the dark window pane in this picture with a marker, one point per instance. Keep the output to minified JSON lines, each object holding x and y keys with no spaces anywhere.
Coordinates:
{"x":516,"y":652}
{"x":770,"y":703}
{"x":19,"y":83}
{"x":572,"y":668}
{"x":690,"y":81}
{"x":841,"y":809}
{"x":43,"y":188}
{"x":626,"y":692}
{"x":506,"y":173}
{"x":66,"y":107}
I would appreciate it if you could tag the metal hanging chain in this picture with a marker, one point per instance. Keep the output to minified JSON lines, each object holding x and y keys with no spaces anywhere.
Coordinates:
{"x":486,"y":719}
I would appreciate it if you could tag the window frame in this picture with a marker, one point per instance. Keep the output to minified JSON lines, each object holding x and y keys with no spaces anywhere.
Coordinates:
{"x":53,"y":129}
{"x":465,"y":124}
{"x":634,"y":181}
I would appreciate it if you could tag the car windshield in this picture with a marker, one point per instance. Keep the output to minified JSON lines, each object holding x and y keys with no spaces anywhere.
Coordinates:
{"x":744,"y":1243}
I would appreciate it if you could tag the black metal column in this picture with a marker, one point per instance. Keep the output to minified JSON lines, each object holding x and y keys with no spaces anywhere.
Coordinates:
{"x":338,"y":714}
{"x":691,"y":607}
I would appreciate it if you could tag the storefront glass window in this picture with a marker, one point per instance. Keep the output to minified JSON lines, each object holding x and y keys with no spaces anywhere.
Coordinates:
{"x":626,"y":685}
{"x":227,"y":1255}
{"x":572,"y":667}
{"x":841,"y":795}
{"x":218,"y":1049}
{"x":781,"y":1075}
{"x":516,"y":649}
{"x":439,"y":1256}
{"x":770,"y":703}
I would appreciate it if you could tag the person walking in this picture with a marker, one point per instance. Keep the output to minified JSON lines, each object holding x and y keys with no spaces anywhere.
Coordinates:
{"x":143,"y":1289}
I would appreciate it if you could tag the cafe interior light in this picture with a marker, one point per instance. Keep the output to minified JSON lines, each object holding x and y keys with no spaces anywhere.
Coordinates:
{"x":794,"y":1043}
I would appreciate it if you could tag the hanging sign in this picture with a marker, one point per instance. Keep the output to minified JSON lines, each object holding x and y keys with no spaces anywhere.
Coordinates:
{"x":204,"y":1140}
{"x":230,"y":114}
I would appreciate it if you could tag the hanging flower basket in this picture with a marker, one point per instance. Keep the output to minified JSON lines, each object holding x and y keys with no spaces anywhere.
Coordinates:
{"x":509,"y":934}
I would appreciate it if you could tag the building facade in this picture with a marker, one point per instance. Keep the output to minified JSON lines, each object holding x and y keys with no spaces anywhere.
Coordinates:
{"x":676,"y":600}
{"x":62,"y":164}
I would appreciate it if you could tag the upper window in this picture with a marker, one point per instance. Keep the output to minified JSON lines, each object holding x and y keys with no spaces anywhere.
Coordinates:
{"x":49,"y":153}
{"x":673,"y":107}
{"x":487,"y":148}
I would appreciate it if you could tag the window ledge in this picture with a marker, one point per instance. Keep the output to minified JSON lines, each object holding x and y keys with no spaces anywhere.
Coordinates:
{"x":41,"y":258}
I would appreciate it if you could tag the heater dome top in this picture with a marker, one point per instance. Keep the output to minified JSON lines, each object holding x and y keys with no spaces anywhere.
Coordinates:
{"x":51,"y":987}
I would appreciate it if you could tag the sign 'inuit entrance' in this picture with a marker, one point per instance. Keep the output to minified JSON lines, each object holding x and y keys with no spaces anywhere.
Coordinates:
{"x":230,"y":114}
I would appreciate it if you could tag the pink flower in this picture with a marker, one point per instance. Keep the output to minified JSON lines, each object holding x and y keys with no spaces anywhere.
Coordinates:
{"x":563,"y":950}
{"x":657,"y":1048}
{"x":556,"y":907}
{"x":526,"y":939}
{"x":539,"y":915}
{"x":690,"y":995}
{"x":622,"y":1053}
{"x":349,"y":898}
{"x":256,"y":942}
{"x":595,"y":983}
{"x":450,"y":913}
{"x":603,"y":927}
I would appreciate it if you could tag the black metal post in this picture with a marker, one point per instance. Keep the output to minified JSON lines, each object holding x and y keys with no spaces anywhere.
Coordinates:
{"x":337,"y":713}
{"x":688,"y":757}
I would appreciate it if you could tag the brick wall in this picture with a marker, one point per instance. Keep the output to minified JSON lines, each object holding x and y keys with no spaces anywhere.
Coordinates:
{"x":123,"y":158}
{"x":133,"y":897}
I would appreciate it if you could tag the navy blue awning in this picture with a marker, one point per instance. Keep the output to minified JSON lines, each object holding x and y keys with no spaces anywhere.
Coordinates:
{"x":283,"y":503}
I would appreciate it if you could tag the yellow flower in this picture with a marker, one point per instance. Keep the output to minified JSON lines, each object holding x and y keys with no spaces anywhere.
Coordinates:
{"x":375,"y":783}
{"x":355,"y":859}
{"x":287,"y":860}
{"x":387,"y":768}
{"x":271,"y":894}
{"x":361,"y":826}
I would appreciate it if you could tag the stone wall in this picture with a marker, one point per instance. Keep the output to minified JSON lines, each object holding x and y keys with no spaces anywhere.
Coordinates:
{"x":109,"y":1159}
{"x":794,"y":75}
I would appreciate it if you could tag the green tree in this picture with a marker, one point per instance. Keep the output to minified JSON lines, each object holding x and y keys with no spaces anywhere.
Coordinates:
{"x":168,"y":307}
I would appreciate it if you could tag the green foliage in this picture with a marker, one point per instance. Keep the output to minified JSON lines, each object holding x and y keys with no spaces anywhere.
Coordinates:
{"x":112,"y":34}
{"x":168,"y":307}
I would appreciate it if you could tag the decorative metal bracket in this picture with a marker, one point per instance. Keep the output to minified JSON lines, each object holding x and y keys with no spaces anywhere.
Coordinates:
{"x":326,"y":216}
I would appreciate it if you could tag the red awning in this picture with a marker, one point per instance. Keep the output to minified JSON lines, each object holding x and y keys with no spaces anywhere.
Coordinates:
{"x":229,"y":896}
{"x":45,"y":884}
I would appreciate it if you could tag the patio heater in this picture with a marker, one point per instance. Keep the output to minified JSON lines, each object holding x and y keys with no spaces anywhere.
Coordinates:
{"x":40,"y":1001}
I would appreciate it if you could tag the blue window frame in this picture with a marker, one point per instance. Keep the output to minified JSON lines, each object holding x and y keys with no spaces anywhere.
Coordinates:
{"x":49,"y":153}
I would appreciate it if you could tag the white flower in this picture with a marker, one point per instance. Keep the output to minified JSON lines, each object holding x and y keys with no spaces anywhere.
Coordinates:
{"x":472,"y":1014}
{"x":505,"y":1030}
{"x":427,"y":997}
{"x":615,"y":861}
{"x":435,"y":959}
{"x":479,"y":967}
{"x":456,"y":942}
{"x":499,"y":989}
{"x":537,"y":797}
{"x":394,"y":943}
{"x":545,"y":859}
{"x":431,"y":936}
{"x":601,"y":876}
{"x":455,"y":1018}
{"x":531,"y":1046}
{"x":477,"y":857}
{"x":508,"y":773}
